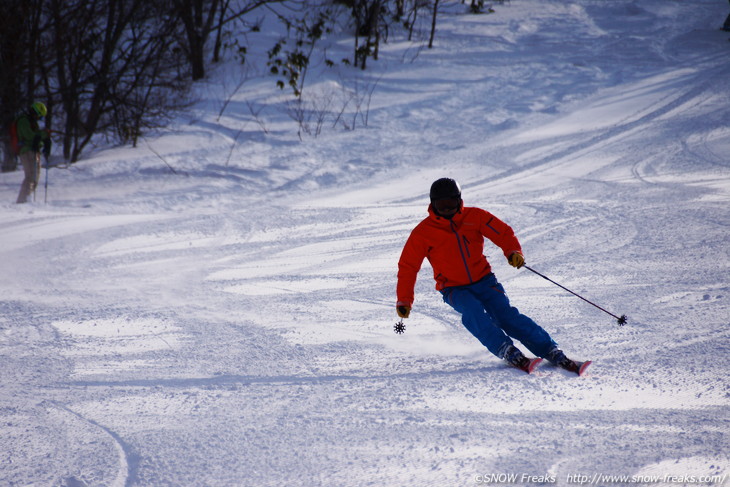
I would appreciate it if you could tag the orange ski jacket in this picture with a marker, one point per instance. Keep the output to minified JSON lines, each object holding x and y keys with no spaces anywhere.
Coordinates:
{"x":455,"y":249}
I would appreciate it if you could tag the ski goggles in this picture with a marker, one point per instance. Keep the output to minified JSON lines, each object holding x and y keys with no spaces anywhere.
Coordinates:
{"x":447,"y":205}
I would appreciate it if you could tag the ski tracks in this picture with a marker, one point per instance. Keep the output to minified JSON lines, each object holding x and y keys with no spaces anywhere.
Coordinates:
{"x":533,"y":158}
{"x":69,"y":449}
{"x":92,"y":434}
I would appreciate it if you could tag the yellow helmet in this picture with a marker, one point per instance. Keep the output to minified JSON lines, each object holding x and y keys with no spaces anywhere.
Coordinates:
{"x":39,"y":109}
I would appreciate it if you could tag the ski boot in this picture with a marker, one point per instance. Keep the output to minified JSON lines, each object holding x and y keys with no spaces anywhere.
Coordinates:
{"x":558,"y":359}
{"x":516,"y":358}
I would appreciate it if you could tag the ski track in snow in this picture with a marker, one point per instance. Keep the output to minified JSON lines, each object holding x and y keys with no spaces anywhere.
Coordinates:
{"x":231,"y":324}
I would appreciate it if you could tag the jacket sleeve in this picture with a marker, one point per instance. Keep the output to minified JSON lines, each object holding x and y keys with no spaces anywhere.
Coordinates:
{"x":409,"y":264}
{"x":500,"y":234}
{"x":28,"y":136}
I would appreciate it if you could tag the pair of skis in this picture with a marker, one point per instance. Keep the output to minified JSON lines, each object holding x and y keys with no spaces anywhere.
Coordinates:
{"x":531,"y":364}
{"x":572,"y":366}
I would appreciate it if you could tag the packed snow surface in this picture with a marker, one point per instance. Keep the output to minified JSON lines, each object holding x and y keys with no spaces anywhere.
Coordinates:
{"x":215,"y":307}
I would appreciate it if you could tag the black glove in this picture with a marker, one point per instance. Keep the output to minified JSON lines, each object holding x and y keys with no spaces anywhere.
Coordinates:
{"x":47,"y":147}
{"x":36,"y":144}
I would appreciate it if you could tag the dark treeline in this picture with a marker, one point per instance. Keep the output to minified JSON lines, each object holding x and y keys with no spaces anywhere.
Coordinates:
{"x":117,"y":67}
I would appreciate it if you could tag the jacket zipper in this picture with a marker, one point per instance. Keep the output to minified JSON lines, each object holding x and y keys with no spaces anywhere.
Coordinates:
{"x":461,"y":250}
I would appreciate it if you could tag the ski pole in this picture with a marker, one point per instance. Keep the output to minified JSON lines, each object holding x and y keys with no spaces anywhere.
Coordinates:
{"x":620,"y":319}
{"x":45,"y":194}
{"x":36,"y":173}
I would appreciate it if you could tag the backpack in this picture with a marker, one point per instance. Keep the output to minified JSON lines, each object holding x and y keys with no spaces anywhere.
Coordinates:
{"x":14,"y":141}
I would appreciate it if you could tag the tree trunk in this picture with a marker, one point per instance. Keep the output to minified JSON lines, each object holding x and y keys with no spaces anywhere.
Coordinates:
{"x":198,"y":27}
{"x":433,"y":23}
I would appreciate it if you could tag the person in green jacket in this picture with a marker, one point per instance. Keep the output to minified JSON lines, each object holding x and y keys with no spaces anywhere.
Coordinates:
{"x":32,"y":140}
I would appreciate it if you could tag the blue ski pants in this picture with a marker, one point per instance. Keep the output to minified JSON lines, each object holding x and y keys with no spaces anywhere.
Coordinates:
{"x":486,"y":312}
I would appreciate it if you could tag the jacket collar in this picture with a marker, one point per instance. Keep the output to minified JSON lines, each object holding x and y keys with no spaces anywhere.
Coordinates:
{"x":441,"y":220}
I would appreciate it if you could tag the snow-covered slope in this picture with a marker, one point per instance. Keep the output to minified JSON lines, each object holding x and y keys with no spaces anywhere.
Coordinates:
{"x":215,"y":307}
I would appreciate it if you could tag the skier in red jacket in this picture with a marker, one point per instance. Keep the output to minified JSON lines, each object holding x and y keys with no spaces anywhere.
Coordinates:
{"x":452,"y":239}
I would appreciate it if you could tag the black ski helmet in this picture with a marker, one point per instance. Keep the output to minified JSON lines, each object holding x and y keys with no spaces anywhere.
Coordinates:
{"x":445,"y":188}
